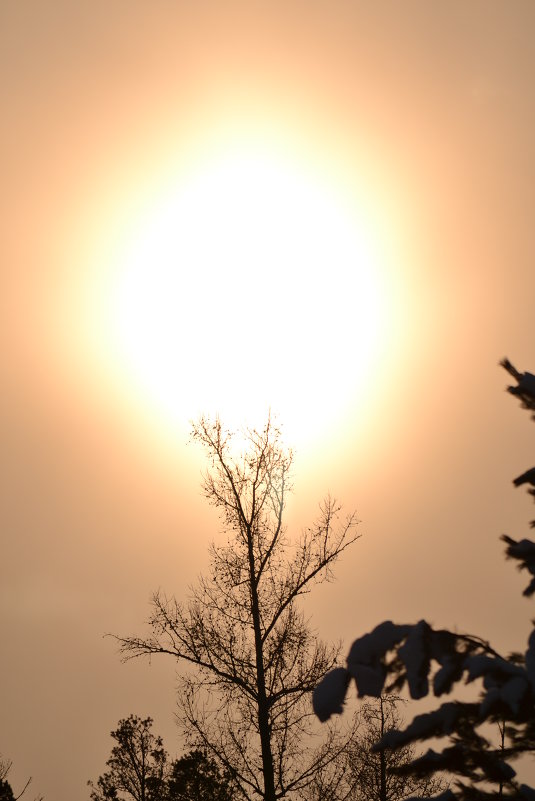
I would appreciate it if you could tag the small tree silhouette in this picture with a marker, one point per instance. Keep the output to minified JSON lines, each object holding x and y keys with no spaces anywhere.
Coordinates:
{"x":6,"y":791}
{"x":196,"y":776}
{"x":137,"y":765}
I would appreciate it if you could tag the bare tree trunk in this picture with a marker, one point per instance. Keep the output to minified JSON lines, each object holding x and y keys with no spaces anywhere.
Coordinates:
{"x":501,"y":727}
{"x":263,"y":710}
{"x":382,"y":791}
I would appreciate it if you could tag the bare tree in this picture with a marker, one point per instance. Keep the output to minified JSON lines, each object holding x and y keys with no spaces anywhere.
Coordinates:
{"x":254,"y":657}
{"x":377,"y":775}
{"x":363,"y":773}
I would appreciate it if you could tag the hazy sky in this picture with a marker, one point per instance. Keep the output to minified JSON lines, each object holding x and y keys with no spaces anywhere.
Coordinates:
{"x":418,"y":118}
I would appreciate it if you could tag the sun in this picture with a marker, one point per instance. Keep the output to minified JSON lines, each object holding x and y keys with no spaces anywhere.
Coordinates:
{"x":250,"y":285}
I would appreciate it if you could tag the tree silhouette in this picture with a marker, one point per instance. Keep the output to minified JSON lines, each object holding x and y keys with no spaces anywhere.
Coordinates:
{"x":6,"y":791}
{"x":196,"y":776}
{"x":393,"y":655}
{"x":375,"y":775}
{"x":253,"y":655}
{"x":137,"y":765}
{"x":362,"y":774}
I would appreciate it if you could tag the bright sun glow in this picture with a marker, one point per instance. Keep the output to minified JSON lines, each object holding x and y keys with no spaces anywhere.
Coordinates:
{"x":246,"y":287}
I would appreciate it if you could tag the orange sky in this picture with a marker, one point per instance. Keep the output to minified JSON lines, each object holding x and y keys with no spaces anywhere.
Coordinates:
{"x":423,"y":111}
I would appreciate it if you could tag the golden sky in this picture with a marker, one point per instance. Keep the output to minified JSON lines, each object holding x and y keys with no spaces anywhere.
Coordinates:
{"x":398,"y":140}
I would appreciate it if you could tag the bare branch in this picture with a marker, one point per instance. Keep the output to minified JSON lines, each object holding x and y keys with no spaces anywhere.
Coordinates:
{"x":252,"y":657}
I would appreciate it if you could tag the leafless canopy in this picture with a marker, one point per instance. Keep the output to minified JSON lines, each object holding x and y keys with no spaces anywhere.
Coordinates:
{"x":254,"y":658}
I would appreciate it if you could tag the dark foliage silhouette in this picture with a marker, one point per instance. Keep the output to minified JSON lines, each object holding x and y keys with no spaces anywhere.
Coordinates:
{"x":137,"y":767}
{"x":423,"y":658}
{"x":195,"y":776}
{"x":6,"y":791}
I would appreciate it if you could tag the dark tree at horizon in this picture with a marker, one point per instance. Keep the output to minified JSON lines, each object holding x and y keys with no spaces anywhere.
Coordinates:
{"x":249,"y":658}
{"x":196,"y":776}
{"x":6,"y":791}
{"x":137,"y":767}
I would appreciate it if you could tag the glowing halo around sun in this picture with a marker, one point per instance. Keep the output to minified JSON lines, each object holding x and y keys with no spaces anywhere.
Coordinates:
{"x":247,"y":287}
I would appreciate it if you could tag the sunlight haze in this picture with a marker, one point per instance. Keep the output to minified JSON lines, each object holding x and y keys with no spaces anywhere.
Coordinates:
{"x":249,"y":267}
{"x":324,"y":209}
